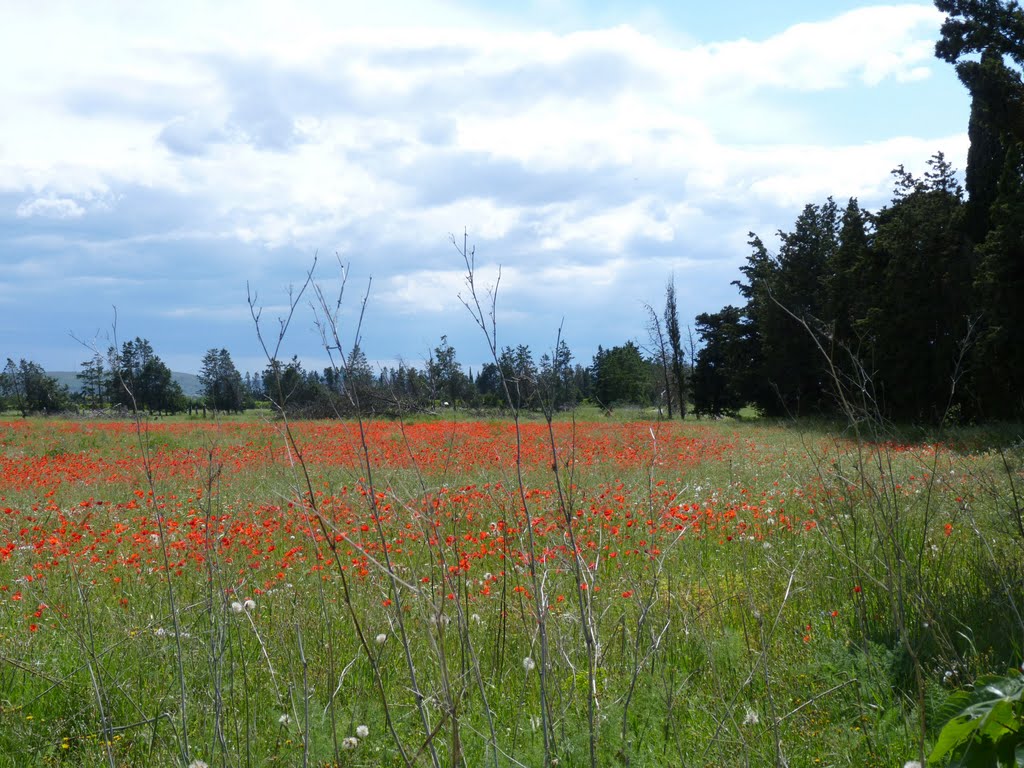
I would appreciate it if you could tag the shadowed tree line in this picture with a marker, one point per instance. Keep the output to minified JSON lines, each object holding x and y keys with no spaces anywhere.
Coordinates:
{"x":135,"y":378}
{"x":916,"y":310}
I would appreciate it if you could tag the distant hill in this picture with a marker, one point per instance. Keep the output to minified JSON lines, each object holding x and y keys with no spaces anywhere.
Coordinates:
{"x":189,"y":382}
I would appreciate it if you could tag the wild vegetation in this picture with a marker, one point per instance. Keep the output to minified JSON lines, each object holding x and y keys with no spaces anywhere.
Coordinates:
{"x":753,"y":594}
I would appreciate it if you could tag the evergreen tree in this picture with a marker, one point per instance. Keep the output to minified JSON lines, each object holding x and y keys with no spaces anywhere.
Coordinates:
{"x":786,"y":305}
{"x":993,"y":220}
{"x":721,"y":369}
{"x":93,"y":376}
{"x":488,"y":385}
{"x":138,"y":379}
{"x":920,"y":318}
{"x":446,"y":374}
{"x":998,"y":359}
{"x":675,"y":340}
{"x":26,"y":386}
{"x":621,"y":375}
{"x":555,"y":384}
{"x":358,"y":378}
{"x":520,"y":375}
{"x":223,"y":388}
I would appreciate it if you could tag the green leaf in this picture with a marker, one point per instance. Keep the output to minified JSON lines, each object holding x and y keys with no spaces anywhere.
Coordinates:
{"x":958,"y":731}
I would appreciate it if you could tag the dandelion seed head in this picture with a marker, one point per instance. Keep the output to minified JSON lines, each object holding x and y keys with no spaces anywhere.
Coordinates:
{"x":349,"y":742}
{"x":284,"y":719}
{"x":529,"y":664}
{"x":362,"y":731}
{"x":198,"y":764}
{"x":236,"y":607}
{"x":751,"y":717}
{"x":249,"y":605}
{"x":380,"y":638}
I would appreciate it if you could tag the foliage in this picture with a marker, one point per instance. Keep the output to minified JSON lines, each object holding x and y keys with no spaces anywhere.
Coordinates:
{"x":675,"y":339}
{"x":221,"y":381}
{"x":621,"y":375}
{"x":93,"y":378}
{"x":721,"y":376}
{"x":139,"y":380}
{"x":987,"y":724}
{"x":26,"y":387}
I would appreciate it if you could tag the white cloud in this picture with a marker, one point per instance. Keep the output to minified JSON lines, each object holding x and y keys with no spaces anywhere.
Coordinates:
{"x":51,"y":208}
{"x":866,"y":44}
{"x":377,"y":129}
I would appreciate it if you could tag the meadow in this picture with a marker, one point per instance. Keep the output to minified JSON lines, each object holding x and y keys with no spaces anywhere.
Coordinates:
{"x":460,"y":592}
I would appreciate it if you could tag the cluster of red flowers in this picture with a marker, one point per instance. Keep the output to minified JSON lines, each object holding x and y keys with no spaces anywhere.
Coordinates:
{"x":627,"y":490}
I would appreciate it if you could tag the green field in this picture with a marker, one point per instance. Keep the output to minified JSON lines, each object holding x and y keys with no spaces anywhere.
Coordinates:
{"x":633,"y":592}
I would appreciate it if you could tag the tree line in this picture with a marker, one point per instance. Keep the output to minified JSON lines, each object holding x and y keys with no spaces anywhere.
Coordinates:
{"x":134,"y":378}
{"x":913,"y":312}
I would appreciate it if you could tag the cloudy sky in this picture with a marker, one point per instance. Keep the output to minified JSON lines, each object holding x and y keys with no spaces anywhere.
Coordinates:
{"x":157,"y":158}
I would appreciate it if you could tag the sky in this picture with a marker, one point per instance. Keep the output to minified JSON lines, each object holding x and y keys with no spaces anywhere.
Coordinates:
{"x":164,"y":164}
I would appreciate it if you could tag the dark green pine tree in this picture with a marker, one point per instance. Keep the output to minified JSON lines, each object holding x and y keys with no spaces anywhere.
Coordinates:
{"x":787,"y":304}
{"x":920,"y":321}
{"x":621,"y":375}
{"x":139,"y":379}
{"x":92,"y":377}
{"x":222,"y":384}
{"x":993,"y":86}
{"x":722,"y":364}
{"x":675,"y":339}
{"x":851,"y":278}
{"x":998,"y":372}
{"x":26,"y":387}
{"x":995,"y":208}
{"x":851,"y":283}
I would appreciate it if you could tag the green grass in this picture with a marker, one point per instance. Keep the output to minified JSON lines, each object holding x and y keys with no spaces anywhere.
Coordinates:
{"x":821,"y":610}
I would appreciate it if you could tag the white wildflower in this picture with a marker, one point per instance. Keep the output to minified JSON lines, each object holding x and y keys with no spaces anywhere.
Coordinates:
{"x":475,"y":618}
{"x":249,"y":605}
{"x":751,"y":717}
{"x":285,"y":720}
{"x":381,"y":638}
{"x":236,"y":607}
{"x":349,"y":742}
{"x":362,"y":731}
{"x":528,"y":664}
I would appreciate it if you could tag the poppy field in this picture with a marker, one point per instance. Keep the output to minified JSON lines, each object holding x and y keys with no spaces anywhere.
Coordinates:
{"x":447,"y":592}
